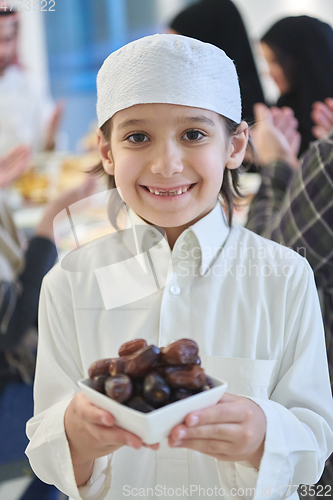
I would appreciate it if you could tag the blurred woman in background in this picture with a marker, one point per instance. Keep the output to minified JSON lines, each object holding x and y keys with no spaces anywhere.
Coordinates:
{"x":218,"y":22}
{"x":299,"y":53}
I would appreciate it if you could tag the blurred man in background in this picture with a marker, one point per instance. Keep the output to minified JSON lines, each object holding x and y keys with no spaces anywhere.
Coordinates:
{"x":27,"y":114}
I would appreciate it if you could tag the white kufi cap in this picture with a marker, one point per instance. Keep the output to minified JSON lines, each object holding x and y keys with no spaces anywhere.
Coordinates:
{"x":171,"y":69}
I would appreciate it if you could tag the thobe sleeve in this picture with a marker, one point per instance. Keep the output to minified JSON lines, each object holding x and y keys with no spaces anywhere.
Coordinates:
{"x":58,"y":369}
{"x":299,"y":412}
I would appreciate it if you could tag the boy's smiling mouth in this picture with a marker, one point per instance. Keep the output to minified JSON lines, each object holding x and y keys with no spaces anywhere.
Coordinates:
{"x":174,"y":191}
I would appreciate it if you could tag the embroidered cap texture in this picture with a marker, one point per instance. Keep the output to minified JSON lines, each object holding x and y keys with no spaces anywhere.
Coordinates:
{"x":171,"y":69}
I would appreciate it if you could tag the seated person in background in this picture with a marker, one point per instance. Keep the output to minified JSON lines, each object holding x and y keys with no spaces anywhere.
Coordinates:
{"x":294,"y":206}
{"x":299,"y":52}
{"x":21,"y":272}
{"x":218,"y":22}
{"x":27,"y":115}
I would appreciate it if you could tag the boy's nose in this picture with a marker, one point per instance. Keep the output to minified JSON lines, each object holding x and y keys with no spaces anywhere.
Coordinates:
{"x":167,"y":160}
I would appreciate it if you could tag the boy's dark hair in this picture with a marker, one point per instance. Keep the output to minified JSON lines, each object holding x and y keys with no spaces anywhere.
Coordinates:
{"x":230,"y":181}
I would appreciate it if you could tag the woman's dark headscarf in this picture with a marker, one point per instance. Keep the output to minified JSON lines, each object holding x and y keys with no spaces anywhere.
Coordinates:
{"x":218,"y":22}
{"x":303,"y":46}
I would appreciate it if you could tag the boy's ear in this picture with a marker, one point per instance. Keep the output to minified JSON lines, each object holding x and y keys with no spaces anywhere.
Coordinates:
{"x":238,"y":146}
{"x":105,"y":152}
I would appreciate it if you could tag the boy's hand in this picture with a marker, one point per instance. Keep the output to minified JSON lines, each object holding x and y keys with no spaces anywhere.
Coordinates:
{"x":91,"y":433}
{"x":231,"y":431}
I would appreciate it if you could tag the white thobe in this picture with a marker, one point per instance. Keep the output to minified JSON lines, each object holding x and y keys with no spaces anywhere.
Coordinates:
{"x":252,"y":307}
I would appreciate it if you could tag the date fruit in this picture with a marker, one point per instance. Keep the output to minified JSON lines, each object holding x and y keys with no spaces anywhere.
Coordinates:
{"x":155,"y":389}
{"x":131,"y":347}
{"x":181,"y":393}
{"x":139,"y":404}
{"x":141,"y":362}
{"x":180,"y":352}
{"x":145,"y":377}
{"x":100,"y":367}
{"x":118,"y":388}
{"x":97,"y":383}
{"x":189,"y":377}
{"x":116,"y":366}
{"x":209,"y":384}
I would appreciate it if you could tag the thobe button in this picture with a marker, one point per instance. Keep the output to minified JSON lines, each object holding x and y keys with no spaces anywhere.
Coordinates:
{"x":188,"y":236}
{"x":175,"y":290}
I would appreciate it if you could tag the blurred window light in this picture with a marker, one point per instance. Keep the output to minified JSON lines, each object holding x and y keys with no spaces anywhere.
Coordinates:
{"x":80,"y":34}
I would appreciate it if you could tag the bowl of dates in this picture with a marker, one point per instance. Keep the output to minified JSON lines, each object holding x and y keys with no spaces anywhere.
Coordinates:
{"x":149,"y":390}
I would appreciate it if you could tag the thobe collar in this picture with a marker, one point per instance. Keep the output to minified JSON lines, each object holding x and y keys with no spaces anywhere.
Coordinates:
{"x":210,"y":235}
{"x":212,"y":232}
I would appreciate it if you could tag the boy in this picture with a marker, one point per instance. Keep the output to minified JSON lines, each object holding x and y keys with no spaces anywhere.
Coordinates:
{"x":169,"y":145}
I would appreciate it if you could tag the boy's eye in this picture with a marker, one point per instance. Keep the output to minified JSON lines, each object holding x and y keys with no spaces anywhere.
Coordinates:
{"x":139,"y":137}
{"x":193,"y":135}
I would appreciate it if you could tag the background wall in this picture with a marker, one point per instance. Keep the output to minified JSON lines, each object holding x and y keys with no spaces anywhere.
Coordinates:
{"x":259,"y":15}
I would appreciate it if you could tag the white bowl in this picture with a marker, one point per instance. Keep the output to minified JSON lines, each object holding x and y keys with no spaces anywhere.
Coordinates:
{"x":156,"y":425}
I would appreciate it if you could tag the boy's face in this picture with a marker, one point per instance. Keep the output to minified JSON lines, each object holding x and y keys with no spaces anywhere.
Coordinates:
{"x":168,"y":162}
